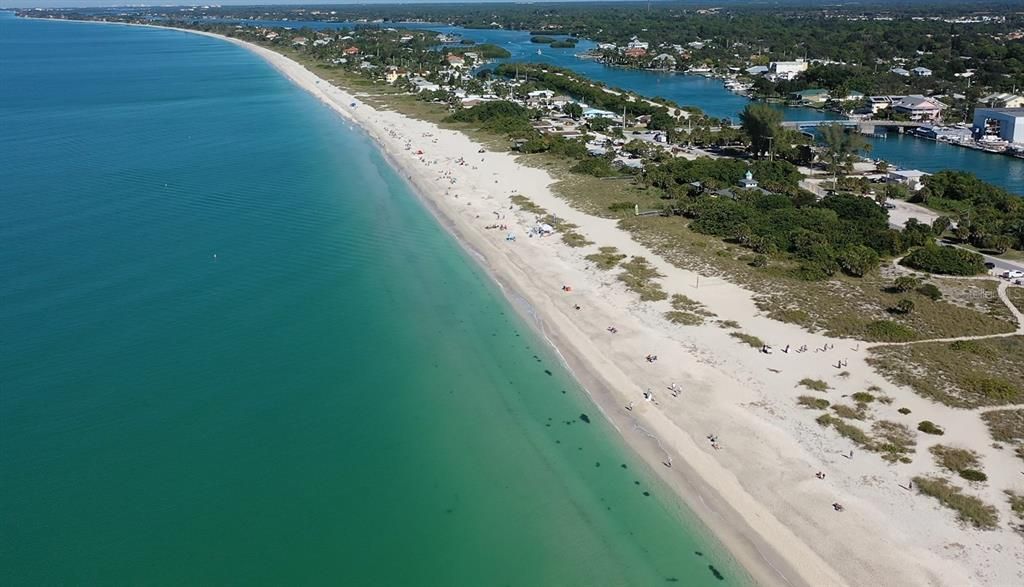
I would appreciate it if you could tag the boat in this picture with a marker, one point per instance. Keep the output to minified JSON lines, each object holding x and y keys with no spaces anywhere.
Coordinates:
{"x":538,"y":52}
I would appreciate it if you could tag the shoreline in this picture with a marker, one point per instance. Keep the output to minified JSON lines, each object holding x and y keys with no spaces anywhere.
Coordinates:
{"x":771,"y":541}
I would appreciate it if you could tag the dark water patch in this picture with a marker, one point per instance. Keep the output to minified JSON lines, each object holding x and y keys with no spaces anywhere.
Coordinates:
{"x":585,"y":418}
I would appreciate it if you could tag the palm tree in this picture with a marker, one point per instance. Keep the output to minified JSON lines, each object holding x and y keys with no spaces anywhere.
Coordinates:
{"x":841,"y":148}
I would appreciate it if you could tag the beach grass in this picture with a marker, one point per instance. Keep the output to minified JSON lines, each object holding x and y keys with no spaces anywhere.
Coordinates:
{"x":1005,"y":425}
{"x":748,"y":339}
{"x":963,"y":374}
{"x":639,"y":276}
{"x":813,"y":384}
{"x":969,"y":509}
{"x":606,"y":258}
{"x":850,"y":412}
{"x":684,"y":318}
{"x":962,"y":461}
{"x":814,"y":403}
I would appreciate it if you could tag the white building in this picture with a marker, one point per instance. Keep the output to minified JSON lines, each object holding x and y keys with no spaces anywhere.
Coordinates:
{"x":1005,"y":123}
{"x":921,"y":72}
{"x":911,"y":178}
{"x":787,"y":69}
{"x":1003,"y":100}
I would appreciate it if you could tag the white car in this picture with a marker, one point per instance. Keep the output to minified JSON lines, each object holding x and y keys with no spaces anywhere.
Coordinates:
{"x":1013,"y":274}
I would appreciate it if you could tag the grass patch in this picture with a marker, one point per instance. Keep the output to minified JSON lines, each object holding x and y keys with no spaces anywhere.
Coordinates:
{"x":855,"y":434}
{"x":961,"y":461}
{"x":748,"y":339}
{"x":888,"y":331}
{"x":1005,"y":425}
{"x":850,"y":412}
{"x":863,"y":397}
{"x":1016,"y":503}
{"x":969,"y":509}
{"x":894,"y":440}
{"x":639,"y":276}
{"x":606,"y":258}
{"x":811,"y":402}
{"x":728,"y":324}
{"x":929,"y":427}
{"x":904,"y":411}
{"x":683,"y":318}
{"x":958,"y":375}
{"x":813,"y":384}
{"x":526,"y":204}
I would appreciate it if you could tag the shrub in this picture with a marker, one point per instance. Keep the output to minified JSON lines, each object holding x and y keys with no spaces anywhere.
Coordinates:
{"x":954,"y":459}
{"x":929,"y":427}
{"x":729,"y":324}
{"x":606,"y":258}
{"x":759,"y":261}
{"x":930,"y":291}
{"x":751,"y":340}
{"x":904,"y":284}
{"x":904,"y":411}
{"x":973,"y":475}
{"x":812,"y":402}
{"x":849,"y":412}
{"x":945,"y":260}
{"x":863,"y":397}
{"x":969,"y":509}
{"x":904,"y":306}
{"x":594,"y":166}
{"x":814,"y":384}
{"x":858,"y":260}
{"x":684,"y":318}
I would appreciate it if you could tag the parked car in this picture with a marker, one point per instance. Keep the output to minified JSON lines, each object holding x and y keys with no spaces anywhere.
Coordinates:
{"x":1014,"y":274}
{"x":990,"y":265}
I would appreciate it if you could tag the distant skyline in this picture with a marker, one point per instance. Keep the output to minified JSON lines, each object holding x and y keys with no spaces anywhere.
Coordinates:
{"x":158,"y":3}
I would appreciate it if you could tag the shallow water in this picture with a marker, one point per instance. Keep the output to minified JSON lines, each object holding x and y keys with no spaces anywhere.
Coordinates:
{"x":236,"y":349}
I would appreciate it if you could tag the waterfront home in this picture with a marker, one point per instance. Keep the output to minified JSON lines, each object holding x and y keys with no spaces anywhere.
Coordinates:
{"x":350,"y":50}
{"x":812,"y":96}
{"x":299,"y":41}
{"x":635,"y":52}
{"x":919,"y":108}
{"x":757,"y":70}
{"x":455,"y":60}
{"x":1005,"y":124}
{"x":1003,"y":100}
{"x":921,"y":72}
{"x":591,"y":113}
{"x":636,"y":43}
{"x":787,"y":69}
{"x":911,"y":178}
{"x":900,"y":71}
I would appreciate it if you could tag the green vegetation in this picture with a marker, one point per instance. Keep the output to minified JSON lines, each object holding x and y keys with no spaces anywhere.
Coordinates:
{"x":863,"y":397}
{"x":969,"y":509}
{"x":842,"y":147}
{"x":961,"y":461}
{"x":728,"y":324}
{"x":606,"y":259}
{"x":855,"y":434}
{"x":1005,"y":425}
{"x":1016,"y":503}
{"x":894,"y":440}
{"x":687,"y":311}
{"x":813,"y":384}
{"x":814,"y":403}
{"x":945,"y":260}
{"x":850,"y":412}
{"x":904,"y":411}
{"x":965,"y":374}
{"x":526,"y":204}
{"x":991,"y":218}
{"x":639,"y":276}
{"x":748,"y":339}
{"x":929,"y":427}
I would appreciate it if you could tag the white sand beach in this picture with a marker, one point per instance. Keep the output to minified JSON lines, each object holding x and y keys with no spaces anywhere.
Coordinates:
{"x":758,"y":490}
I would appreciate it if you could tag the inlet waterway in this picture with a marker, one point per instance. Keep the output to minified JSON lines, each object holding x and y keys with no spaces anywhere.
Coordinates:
{"x":238,"y":350}
{"x":710,"y":95}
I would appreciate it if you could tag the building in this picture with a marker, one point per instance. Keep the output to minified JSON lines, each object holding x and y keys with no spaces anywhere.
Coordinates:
{"x":911,"y":178}
{"x":455,"y":60}
{"x":748,"y":182}
{"x":900,"y":71}
{"x":1005,"y":123}
{"x":635,"y":52}
{"x":787,"y":69}
{"x":1003,"y":100}
{"x":919,"y":108}
{"x":597,"y":113}
{"x":811,"y":96}
{"x":921,"y":72}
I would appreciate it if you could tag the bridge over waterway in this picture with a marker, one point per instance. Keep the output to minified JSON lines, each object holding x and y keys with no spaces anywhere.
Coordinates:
{"x":863,"y":126}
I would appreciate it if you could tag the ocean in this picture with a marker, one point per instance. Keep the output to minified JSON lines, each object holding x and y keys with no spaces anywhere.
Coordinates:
{"x":238,"y":350}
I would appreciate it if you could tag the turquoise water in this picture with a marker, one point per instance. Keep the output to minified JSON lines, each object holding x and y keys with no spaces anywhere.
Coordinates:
{"x":237,"y":350}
